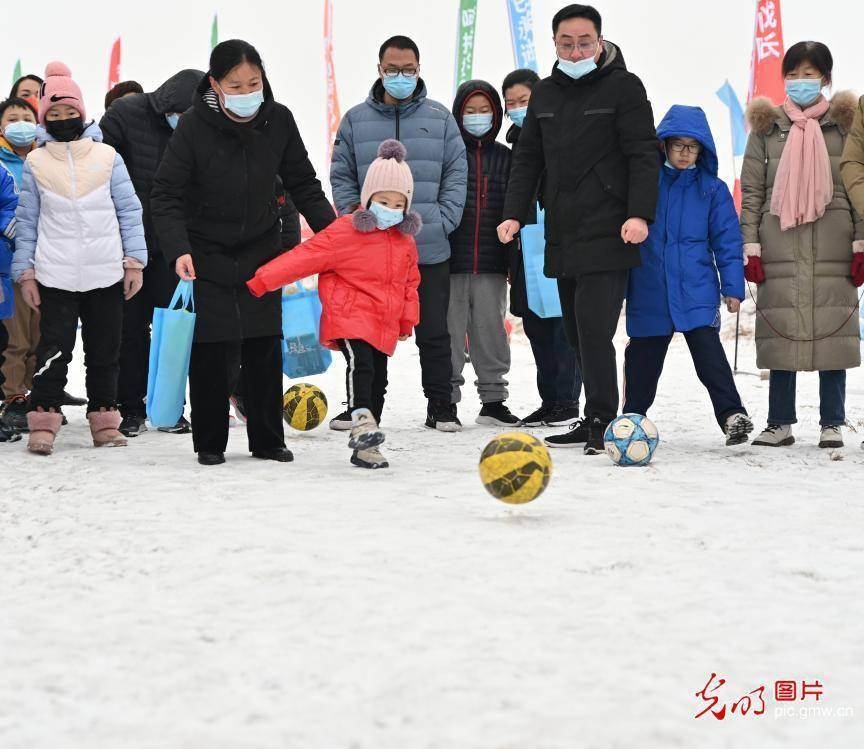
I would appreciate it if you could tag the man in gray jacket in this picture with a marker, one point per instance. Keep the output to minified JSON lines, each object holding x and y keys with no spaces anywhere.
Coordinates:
{"x":397,"y":107}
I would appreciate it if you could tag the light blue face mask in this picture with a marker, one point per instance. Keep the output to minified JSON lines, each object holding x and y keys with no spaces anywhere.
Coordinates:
{"x":517,"y":116}
{"x":401,"y":86}
{"x":477,"y":124}
{"x":803,"y":91}
{"x":244,"y":105}
{"x":20,"y":133}
{"x":173,"y":119}
{"x":578,"y":69}
{"x":385,"y":217}
{"x":672,"y":166}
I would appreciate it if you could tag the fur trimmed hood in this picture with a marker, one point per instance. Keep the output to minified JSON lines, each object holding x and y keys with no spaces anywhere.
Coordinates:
{"x":364,"y":221}
{"x":762,"y":114}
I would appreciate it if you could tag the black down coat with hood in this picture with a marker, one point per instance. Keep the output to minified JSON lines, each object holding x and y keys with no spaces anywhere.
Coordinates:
{"x":214,"y":197}
{"x":474,"y":244}
{"x":135,"y":126}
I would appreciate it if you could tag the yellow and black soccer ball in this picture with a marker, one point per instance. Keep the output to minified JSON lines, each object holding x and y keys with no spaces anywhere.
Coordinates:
{"x":304,"y":406}
{"x":515,"y":468}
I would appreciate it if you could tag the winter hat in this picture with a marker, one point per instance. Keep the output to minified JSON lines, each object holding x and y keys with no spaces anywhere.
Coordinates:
{"x":59,"y":88}
{"x":388,"y":172}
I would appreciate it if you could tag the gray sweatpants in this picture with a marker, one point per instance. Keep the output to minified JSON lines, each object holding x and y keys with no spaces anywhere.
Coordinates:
{"x":478,"y":304}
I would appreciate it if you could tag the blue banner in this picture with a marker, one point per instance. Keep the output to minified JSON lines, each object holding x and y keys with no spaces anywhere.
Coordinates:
{"x":736,"y":118}
{"x":522,"y":33}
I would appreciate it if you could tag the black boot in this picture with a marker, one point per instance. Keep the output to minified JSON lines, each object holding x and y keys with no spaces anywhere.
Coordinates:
{"x":441,"y":415}
{"x":279,"y":454}
{"x":211,"y":459}
{"x":596,"y":430}
{"x":72,"y":400}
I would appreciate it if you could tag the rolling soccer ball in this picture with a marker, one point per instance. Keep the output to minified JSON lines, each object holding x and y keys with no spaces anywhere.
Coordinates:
{"x":304,"y":406}
{"x":515,"y":468}
{"x":631,"y":440}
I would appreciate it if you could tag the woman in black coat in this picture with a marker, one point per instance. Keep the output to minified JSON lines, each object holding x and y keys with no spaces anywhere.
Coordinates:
{"x":216,"y":215}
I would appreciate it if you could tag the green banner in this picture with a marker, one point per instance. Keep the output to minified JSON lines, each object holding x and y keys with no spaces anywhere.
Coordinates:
{"x":214,"y":31}
{"x":17,"y":73}
{"x":465,"y":41}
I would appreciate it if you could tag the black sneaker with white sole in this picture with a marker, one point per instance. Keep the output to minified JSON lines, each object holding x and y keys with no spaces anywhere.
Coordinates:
{"x":441,"y":415}
{"x":497,"y":414}
{"x":133,"y":424}
{"x":595,"y":443}
{"x":561,"y":415}
{"x":535,"y":418}
{"x":181,"y":427}
{"x":573,"y":437}
{"x":736,"y":429}
{"x":342,"y":422}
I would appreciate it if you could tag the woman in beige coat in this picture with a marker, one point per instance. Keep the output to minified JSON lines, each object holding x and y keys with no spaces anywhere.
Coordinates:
{"x":801,"y":234}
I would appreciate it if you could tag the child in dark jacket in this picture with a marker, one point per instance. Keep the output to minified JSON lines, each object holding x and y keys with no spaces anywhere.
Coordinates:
{"x":368,"y":279}
{"x":676,"y":289}
{"x":478,"y":260}
{"x":8,"y":203}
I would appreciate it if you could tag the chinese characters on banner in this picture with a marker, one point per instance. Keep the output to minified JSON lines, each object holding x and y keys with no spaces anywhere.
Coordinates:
{"x":333,"y":116}
{"x":114,"y":65}
{"x":522,"y":33}
{"x":766,"y":77}
{"x":465,"y":41}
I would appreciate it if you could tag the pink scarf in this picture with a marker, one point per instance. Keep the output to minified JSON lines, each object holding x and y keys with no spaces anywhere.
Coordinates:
{"x":803,"y":186}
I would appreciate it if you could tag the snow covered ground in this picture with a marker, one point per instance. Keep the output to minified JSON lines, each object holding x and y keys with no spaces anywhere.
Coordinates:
{"x":149,"y":602}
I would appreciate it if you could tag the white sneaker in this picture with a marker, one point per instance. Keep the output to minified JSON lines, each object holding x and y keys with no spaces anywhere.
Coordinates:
{"x":831,"y":437}
{"x":736,"y":429}
{"x":776,"y":435}
{"x":364,"y":430}
{"x":369,"y":458}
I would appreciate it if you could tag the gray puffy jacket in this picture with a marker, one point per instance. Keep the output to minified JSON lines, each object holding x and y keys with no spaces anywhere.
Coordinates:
{"x":436,"y":155}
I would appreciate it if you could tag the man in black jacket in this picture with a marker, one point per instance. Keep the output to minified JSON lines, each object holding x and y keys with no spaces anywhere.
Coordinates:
{"x":590,"y":126}
{"x":139,"y":128}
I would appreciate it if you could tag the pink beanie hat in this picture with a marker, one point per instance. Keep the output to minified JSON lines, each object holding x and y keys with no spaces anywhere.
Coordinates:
{"x":59,"y":88}
{"x":388,"y":172}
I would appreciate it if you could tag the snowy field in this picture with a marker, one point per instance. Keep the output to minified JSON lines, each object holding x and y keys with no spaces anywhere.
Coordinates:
{"x":149,"y":602}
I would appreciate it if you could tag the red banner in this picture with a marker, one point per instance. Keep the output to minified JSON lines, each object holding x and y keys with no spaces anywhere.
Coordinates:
{"x":766,"y":75}
{"x":114,"y":65}
{"x":333,"y":116}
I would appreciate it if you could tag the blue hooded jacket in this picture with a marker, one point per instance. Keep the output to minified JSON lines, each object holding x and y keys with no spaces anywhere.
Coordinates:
{"x":8,"y":203}
{"x":695,"y":234}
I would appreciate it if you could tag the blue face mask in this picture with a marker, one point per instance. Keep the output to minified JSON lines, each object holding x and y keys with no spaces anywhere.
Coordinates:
{"x":173,"y":119}
{"x":386,"y":217}
{"x":244,"y":105}
{"x":803,"y":91}
{"x":401,"y":87}
{"x":477,"y":124}
{"x":578,"y":69}
{"x":672,"y":166}
{"x":517,"y":116}
{"x":21,"y":133}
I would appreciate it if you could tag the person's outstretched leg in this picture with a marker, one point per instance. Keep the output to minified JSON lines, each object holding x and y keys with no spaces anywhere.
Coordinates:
{"x":643,"y":365}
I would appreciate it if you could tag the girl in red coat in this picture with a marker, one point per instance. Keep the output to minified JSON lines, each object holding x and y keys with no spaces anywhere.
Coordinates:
{"x":368,"y":278}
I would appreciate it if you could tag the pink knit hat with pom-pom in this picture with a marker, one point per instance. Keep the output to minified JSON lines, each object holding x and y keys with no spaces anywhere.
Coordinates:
{"x":388,"y":172}
{"x":59,"y":88}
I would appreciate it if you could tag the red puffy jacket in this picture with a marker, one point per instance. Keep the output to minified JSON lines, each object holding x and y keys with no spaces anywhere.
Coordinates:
{"x":367,"y":280}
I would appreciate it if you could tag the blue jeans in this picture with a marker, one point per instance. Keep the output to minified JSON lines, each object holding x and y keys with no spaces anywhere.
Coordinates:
{"x":832,"y":397}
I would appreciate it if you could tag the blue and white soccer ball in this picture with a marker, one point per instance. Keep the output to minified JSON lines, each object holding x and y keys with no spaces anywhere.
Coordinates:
{"x":631,"y":440}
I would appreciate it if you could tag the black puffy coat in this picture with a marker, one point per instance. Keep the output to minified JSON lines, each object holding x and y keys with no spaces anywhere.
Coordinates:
{"x":137,"y":129}
{"x":214,"y":197}
{"x":474,"y":244}
{"x":595,"y":138}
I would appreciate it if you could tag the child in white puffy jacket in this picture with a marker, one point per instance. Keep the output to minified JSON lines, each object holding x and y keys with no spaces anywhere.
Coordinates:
{"x":79,"y":251}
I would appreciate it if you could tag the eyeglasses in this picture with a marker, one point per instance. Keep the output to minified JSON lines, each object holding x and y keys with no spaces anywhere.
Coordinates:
{"x":676,"y":146}
{"x":410,"y":71}
{"x":586,"y":49}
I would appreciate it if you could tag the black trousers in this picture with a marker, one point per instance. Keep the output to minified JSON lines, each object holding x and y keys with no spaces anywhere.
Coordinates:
{"x":4,"y":342}
{"x":558,"y":377}
{"x":212,"y":369}
{"x":160,"y":281}
{"x":101,"y":313}
{"x":365,"y":377}
{"x":591,"y":306}
{"x":643,"y":363}
{"x":432,"y":336}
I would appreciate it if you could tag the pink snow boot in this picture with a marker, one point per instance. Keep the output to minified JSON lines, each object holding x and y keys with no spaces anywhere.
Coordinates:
{"x":43,"y":426}
{"x":104,"y":428}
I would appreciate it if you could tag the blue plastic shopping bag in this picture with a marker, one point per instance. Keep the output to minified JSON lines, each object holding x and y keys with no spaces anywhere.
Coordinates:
{"x":170,"y":349}
{"x":302,"y":354}
{"x":542,"y":292}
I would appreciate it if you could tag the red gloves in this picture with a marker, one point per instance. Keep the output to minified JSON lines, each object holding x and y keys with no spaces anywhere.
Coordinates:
{"x":753,"y":270}
{"x":858,"y":268}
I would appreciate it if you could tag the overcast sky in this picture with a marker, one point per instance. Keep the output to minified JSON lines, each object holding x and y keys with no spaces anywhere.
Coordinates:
{"x":682,"y":49}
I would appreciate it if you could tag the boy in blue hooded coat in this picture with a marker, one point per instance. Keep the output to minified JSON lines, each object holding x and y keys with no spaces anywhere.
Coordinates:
{"x":695,"y":235}
{"x":8,"y":203}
